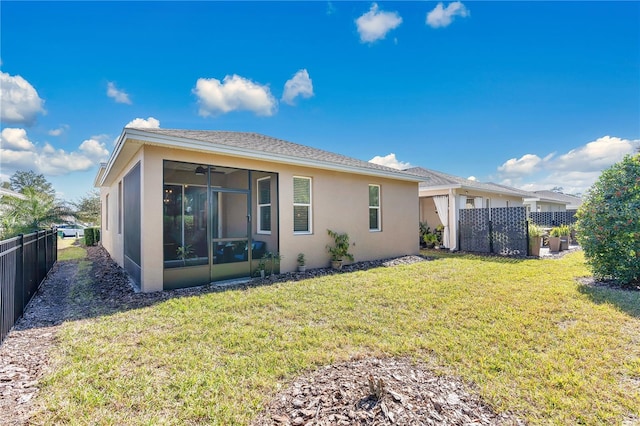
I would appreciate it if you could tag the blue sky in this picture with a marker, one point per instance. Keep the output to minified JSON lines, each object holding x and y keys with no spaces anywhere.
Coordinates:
{"x":531,"y":94}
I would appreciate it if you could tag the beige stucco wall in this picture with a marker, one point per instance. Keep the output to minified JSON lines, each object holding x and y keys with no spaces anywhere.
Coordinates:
{"x":339,"y":202}
{"x":111,"y":239}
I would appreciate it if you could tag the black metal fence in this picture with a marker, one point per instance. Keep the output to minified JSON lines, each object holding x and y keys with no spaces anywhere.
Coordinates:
{"x":500,"y":230}
{"x":548,"y":219}
{"x":25,"y":261}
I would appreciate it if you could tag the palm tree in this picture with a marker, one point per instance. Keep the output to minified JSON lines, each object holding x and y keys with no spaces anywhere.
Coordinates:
{"x":33,"y":212}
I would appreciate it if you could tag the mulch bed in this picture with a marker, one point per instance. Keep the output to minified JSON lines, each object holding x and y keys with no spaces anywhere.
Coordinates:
{"x":409,"y":393}
{"x":375,"y":391}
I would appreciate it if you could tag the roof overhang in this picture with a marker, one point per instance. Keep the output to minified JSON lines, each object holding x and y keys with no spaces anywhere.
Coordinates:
{"x":131,"y":140}
{"x":10,"y":193}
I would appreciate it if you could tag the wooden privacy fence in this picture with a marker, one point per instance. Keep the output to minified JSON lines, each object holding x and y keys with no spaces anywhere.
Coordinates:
{"x":25,"y":261}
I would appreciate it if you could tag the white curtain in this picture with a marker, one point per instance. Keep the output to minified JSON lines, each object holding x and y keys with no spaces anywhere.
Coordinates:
{"x":442,"y":207}
{"x":477,"y":202}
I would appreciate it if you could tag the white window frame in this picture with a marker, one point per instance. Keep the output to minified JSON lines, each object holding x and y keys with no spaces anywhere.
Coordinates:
{"x":378,"y":207}
{"x":259,"y":229}
{"x":309,"y":205}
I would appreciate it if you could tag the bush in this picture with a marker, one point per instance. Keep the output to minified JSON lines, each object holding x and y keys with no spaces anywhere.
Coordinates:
{"x":91,"y":236}
{"x":608,"y":225}
{"x":89,"y":239}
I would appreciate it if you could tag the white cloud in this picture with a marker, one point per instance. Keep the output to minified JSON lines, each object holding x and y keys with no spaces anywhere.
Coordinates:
{"x":19,"y":100}
{"x":442,"y":17}
{"x":16,"y":140}
{"x":141,"y":123}
{"x":374,"y":25}
{"x":473,"y":178}
{"x":60,"y":130}
{"x":120,"y":96}
{"x":574,"y":171}
{"x":524,"y":165}
{"x":234,"y":93}
{"x":596,"y":155}
{"x":299,"y":85}
{"x":17,"y":152}
{"x":93,"y":149}
{"x":390,"y":160}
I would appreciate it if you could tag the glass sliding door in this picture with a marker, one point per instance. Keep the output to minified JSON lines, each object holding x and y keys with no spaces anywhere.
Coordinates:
{"x":230,"y":234}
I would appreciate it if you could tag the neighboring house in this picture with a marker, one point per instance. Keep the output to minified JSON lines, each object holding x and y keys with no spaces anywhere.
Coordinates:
{"x":10,"y":193}
{"x":442,"y":196}
{"x":185,"y":207}
{"x":572,"y":202}
{"x":539,"y":201}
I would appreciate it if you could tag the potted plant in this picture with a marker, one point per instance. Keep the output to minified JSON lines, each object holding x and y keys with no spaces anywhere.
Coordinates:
{"x":424,"y":229}
{"x":262,"y":266}
{"x":184,"y":252}
{"x":301,"y":263}
{"x":535,"y":239}
{"x":340,"y":250}
{"x":554,"y":238}
{"x":430,"y":240}
{"x":440,"y":233}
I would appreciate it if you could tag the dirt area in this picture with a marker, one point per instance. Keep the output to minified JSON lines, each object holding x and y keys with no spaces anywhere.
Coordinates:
{"x":363,"y":391}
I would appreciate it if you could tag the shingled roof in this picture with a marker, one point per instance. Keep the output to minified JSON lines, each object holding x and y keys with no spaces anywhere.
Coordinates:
{"x":433,"y":178}
{"x":255,"y":145}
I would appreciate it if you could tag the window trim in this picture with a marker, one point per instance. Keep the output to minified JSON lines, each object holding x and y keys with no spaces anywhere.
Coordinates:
{"x":309,"y":205}
{"x":259,"y":206}
{"x":378,"y":228}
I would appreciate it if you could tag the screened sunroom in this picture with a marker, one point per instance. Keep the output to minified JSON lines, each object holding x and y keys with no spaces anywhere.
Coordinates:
{"x":218,"y":222}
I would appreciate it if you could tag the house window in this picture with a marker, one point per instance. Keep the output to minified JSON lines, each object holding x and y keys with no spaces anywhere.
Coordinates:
{"x":264,"y":205}
{"x":301,"y":205}
{"x":374,"y":207}
{"x":120,"y":207}
{"x":469,"y":203}
{"x":106,"y":212}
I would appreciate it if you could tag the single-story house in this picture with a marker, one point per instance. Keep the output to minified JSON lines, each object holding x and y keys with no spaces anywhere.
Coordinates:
{"x":185,"y":207}
{"x":540,"y":201}
{"x":567,"y":201}
{"x":442,"y":196}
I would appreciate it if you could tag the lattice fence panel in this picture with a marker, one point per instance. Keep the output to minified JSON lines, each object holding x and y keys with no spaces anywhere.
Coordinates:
{"x":553,"y":218}
{"x":542,"y":218}
{"x":566,"y":218}
{"x":474,"y":230}
{"x":509,"y":230}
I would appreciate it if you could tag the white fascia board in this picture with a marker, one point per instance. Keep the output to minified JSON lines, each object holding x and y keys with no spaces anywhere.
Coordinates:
{"x":99,"y":175}
{"x":491,"y":191}
{"x":107,"y":169}
{"x":439,"y":188}
{"x":193,"y":144}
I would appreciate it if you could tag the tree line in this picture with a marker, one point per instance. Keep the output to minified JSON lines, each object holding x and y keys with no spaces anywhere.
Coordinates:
{"x":34,"y":206}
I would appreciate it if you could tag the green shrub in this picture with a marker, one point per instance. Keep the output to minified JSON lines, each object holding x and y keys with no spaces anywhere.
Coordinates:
{"x":91,"y":236}
{"x":608,"y":224}
{"x":560,"y":231}
{"x":535,"y":230}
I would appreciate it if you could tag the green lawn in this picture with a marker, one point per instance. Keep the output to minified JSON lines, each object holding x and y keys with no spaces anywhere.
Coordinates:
{"x":71,"y":249}
{"x":525,"y":332}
